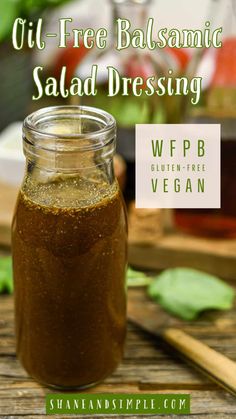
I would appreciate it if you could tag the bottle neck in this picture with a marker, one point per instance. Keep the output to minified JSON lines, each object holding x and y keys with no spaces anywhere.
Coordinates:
{"x":223,"y":13}
{"x":81,"y":188}
{"x":134,"y":11}
{"x":68,"y":139}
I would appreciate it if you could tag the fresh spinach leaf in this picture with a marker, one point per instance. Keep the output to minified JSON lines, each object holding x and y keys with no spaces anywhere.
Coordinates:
{"x":8,"y":13}
{"x":137,"y":278}
{"x":187,"y":292}
{"x":6,"y":277}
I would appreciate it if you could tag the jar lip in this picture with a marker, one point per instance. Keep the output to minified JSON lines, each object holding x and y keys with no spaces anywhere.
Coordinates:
{"x":92,"y":113}
{"x":131,"y":2}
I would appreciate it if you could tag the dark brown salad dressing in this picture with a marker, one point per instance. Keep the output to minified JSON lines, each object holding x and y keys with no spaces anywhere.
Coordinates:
{"x":69,"y":273}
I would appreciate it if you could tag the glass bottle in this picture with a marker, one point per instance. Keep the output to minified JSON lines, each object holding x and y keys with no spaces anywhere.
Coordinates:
{"x":217,"y":67}
{"x":69,"y":249}
{"x":129,"y":110}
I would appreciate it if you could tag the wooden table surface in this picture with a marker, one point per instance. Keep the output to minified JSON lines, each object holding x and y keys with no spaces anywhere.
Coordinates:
{"x":148,"y":366}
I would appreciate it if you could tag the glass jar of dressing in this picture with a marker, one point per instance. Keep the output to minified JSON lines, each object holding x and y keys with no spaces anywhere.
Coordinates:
{"x":69,"y":249}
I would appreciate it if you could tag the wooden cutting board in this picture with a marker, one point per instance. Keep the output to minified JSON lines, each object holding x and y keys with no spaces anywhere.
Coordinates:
{"x":8,"y":196}
{"x":151,"y":318}
{"x":213,"y":256}
{"x":217,"y":257}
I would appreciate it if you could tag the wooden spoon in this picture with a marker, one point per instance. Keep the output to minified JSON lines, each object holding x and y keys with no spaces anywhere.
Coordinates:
{"x":216,"y":366}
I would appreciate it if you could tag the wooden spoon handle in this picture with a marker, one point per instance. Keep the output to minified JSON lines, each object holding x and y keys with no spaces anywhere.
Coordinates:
{"x":218,"y":366}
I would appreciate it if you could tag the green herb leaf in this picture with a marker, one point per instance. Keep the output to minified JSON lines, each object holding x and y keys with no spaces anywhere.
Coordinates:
{"x":160,"y":116}
{"x":8,"y":13}
{"x":187,"y":292}
{"x":131,"y":111}
{"x":10,"y":9}
{"x":6,"y":281}
{"x":32,"y":7}
{"x":137,"y":278}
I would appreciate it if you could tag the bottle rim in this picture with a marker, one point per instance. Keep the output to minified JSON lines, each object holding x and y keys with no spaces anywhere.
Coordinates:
{"x":131,"y":2}
{"x":38,"y":126}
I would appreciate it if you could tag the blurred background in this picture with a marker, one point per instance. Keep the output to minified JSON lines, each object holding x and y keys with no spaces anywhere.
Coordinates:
{"x":158,"y":240}
{"x":16,"y":67}
{"x":217,"y":67}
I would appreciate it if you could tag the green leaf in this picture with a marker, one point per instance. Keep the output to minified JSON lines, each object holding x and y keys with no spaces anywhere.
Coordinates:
{"x":159,"y":115}
{"x":11,"y":9}
{"x":32,"y":7}
{"x":137,"y":278}
{"x":6,"y":281}
{"x":186,"y":292}
{"x":8,"y":13}
{"x":131,"y":111}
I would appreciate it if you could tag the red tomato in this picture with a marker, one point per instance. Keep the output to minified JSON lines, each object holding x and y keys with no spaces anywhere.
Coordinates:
{"x":69,"y":57}
{"x":181,"y":55}
{"x":225,"y":73}
{"x":139,"y":66}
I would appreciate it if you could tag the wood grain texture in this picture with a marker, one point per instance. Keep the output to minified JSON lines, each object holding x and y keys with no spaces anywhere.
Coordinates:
{"x":150,"y":317}
{"x":8,"y":196}
{"x":149,"y":366}
{"x":217,"y":257}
